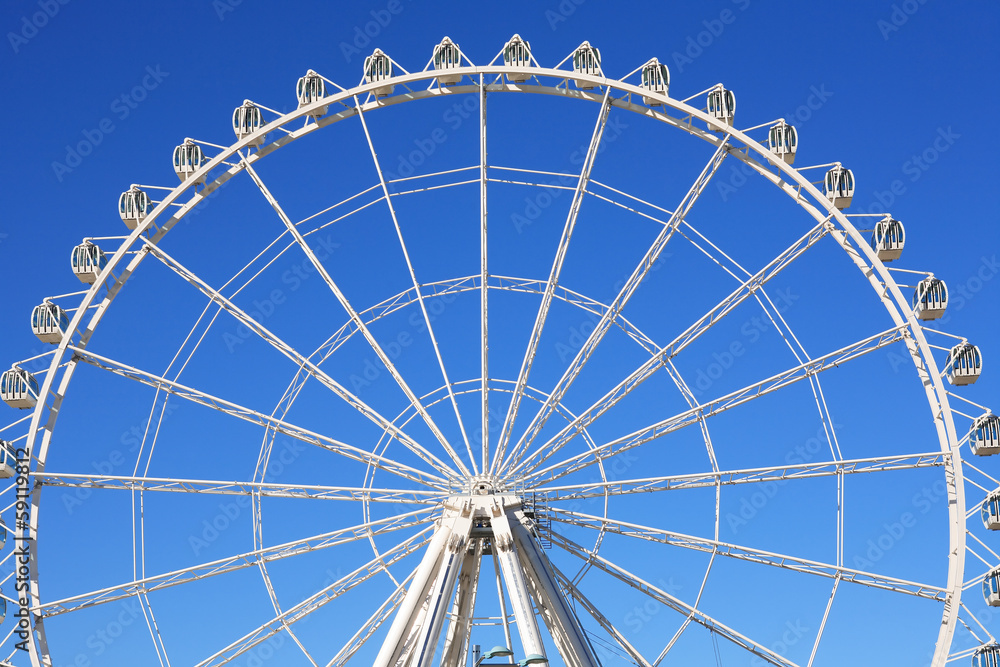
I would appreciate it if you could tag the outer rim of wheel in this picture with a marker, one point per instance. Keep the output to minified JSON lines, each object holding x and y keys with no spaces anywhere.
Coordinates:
{"x":792,"y":183}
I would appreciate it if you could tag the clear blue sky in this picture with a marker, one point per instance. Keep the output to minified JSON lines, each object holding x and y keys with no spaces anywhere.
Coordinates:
{"x":98,"y":94}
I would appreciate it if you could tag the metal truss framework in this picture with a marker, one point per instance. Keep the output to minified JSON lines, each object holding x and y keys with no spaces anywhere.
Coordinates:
{"x":485,"y":505}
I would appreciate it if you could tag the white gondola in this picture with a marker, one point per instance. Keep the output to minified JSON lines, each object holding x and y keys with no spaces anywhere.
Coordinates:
{"x":964,"y":364}
{"x":248,"y":119}
{"x":311,"y":88}
{"x":722,"y":105}
{"x":517,"y":53}
{"x":930,"y":299}
{"x":447,"y":58}
{"x":18,"y":388}
{"x":991,"y":588}
{"x":987,"y":655}
{"x":586,"y":60}
{"x":888,"y":239}
{"x":839,"y":187}
{"x":378,"y":68}
{"x":133,"y":206}
{"x":990,"y":511}
{"x":189,"y":158}
{"x":88,"y":261}
{"x":783,"y":141}
{"x":655,"y":79}
{"x":49,"y":322}
{"x":8,"y":466}
{"x":984,"y":436}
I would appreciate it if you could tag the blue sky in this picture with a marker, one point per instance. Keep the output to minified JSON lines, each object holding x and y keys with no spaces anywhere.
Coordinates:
{"x":98,"y":94}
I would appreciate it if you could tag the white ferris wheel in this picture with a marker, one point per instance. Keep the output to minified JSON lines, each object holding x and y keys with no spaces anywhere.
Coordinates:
{"x":430,"y":417}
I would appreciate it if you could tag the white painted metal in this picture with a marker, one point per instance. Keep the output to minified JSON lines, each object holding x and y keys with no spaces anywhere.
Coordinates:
{"x":98,"y":299}
{"x":628,"y":289}
{"x":543,"y":310}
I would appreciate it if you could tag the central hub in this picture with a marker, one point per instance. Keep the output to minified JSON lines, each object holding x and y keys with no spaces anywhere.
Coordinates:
{"x":482,"y":485}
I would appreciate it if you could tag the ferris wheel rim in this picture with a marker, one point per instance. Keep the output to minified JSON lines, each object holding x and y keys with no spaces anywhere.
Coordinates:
{"x":901,"y":310}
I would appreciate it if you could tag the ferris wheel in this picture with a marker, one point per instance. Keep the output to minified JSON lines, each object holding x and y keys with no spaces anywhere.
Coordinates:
{"x":459,"y":397}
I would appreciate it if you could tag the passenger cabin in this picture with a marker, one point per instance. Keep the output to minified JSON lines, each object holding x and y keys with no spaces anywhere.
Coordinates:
{"x":311,"y":88}
{"x":247,"y":120}
{"x":930,"y":299}
{"x":655,"y":79}
{"x":447,"y":59}
{"x":984,"y":436}
{"x":18,"y":388}
{"x":987,"y":655}
{"x":586,"y":60}
{"x":133,"y":206}
{"x":888,"y":239}
{"x":88,"y":261}
{"x":8,"y":467}
{"x":189,"y":158}
{"x":991,"y":588}
{"x":839,"y":187}
{"x":722,"y":105}
{"x":964,"y":364}
{"x":517,"y":53}
{"x":378,"y":69}
{"x":783,"y":141}
{"x":990,"y":511}
{"x":49,"y":322}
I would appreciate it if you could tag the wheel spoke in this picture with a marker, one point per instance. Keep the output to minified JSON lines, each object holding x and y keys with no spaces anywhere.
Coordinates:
{"x":239,"y":562}
{"x":317,"y":600}
{"x":362,"y":327}
{"x":423,"y":309}
{"x":747,"y":289}
{"x":373,"y":623}
{"x":731,"y":400}
{"x":254,"y":417}
{"x":778,"y":473}
{"x":553,"y":281}
{"x":621,"y":300}
{"x":669,"y":600}
{"x":248,"y":489}
{"x":667,"y":537}
{"x":306,"y":364}
{"x":484,"y":274}
{"x":601,"y":619}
